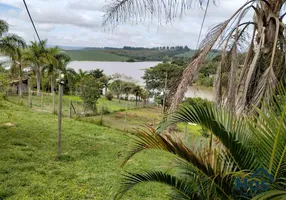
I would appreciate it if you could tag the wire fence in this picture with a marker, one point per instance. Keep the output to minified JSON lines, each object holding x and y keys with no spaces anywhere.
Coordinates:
{"x":72,"y":106}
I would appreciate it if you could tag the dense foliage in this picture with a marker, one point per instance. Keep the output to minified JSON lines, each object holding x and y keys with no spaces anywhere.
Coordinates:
{"x":91,"y":92}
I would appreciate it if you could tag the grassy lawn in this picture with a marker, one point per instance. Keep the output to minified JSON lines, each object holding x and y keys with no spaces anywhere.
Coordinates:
{"x":137,"y":118}
{"x":89,"y":168}
{"x":94,"y":55}
{"x":111,"y":106}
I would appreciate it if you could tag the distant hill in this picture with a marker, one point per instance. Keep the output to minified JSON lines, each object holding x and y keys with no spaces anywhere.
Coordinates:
{"x":130,"y":53}
{"x":94,"y":55}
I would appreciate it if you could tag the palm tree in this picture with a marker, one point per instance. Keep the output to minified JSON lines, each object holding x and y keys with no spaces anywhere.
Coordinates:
{"x":263,"y":66}
{"x":80,"y":77}
{"x":37,"y":56}
{"x":11,"y":45}
{"x":237,"y":148}
{"x":56,"y":61}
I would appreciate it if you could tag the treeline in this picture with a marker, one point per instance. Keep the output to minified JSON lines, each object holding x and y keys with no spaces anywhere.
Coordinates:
{"x":186,"y":48}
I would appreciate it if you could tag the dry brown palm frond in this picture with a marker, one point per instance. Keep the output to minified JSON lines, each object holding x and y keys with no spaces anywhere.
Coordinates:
{"x":134,"y":11}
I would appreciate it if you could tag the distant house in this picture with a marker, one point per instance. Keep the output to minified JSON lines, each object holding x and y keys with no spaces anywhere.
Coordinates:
{"x":14,"y":86}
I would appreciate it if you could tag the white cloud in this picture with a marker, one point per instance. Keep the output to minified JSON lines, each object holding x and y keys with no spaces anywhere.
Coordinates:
{"x":78,"y":23}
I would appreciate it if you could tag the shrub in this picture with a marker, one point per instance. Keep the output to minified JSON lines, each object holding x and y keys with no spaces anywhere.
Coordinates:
{"x":196,"y":102}
{"x":90,"y":93}
{"x":109,"y":96}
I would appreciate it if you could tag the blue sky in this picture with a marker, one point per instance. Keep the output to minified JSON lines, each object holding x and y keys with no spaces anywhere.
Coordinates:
{"x":78,"y":23}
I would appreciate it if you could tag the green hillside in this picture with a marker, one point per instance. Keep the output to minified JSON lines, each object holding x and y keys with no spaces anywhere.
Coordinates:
{"x":94,"y":55}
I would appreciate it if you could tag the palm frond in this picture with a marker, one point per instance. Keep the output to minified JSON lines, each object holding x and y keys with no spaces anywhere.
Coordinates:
{"x":185,"y":189}
{"x":224,"y":126}
{"x":121,"y":11}
{"x":3,"y":27}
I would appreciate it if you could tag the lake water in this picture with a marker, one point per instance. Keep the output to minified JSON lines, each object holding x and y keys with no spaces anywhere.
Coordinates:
{"x":136,"y":71}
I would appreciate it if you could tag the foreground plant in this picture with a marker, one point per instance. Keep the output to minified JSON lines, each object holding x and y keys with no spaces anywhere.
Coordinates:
{"x":238,"y":148}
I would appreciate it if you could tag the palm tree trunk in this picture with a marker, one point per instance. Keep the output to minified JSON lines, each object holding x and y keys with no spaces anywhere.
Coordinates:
{"x":20,"y":86}
{"x":52,"y":84}
{"x":38,"y":84}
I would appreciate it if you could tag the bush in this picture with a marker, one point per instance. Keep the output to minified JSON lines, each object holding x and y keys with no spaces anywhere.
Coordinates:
{"x":91,"y":91}
{"x":109,"y":96}
{"x":196,"y":101}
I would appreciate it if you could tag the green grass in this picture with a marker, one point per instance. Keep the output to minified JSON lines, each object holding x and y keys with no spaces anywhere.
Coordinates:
{"x":94,"y":55}
{"x":47,"y":105}
{"x":89,"y":168}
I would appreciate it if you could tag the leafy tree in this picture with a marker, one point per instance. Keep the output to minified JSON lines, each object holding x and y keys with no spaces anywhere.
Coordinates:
{"x":109,"y":96}
{"x":155,"y":78}
{"x":127,"y":88}
{"x":116,"y":88}
{"x":137,"y":90}
{"x":238,"y":147}
{"x":91,"y":92}
{"x":166,"y":59}
{"x":97,"y":73}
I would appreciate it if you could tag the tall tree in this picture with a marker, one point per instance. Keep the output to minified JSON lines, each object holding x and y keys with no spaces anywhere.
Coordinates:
{"x":11,"y":45}
{"x":264,"y":64}
{"x":37,"y":56}
{"x":56,"y":62}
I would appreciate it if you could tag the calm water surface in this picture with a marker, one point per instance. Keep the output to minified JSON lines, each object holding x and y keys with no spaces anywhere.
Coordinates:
{"x":136,"y":71}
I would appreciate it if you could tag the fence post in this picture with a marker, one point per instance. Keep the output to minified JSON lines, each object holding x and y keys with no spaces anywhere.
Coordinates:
{"x":60,"y":121}
{"x":76,"y":108}
{"x":42,"y":101}
{"x":54,"y":102}
{"x":101,"y":117}
{"x":125,"y":121}
{"x":70,"y":114}
{"x":30,"y":98}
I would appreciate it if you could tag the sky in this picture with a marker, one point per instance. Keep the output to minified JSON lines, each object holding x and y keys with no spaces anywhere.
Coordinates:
{"x":78,"y":23}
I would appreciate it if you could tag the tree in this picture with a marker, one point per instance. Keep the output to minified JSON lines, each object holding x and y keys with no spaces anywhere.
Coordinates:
{"x":116,"y":88}
{"x":137,"y":90}
{"x":91,"y":92}
{"x":11,"y":45}
{"x":56,"y":62}
{"x":166,"y":59}
{"x":81,"y":75}
{"x":97,"y":73}
{"x":237,"y":149}
{"x":127,"y":88}
{"x":36,"y":55}
{"x":155,"y":78}
{"x":263,"y":65}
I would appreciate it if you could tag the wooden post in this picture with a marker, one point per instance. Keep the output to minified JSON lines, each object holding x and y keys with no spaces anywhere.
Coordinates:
{"x":42,"y":101}
{"x":70,"y":114}
{"x":76,"y":108}
{"x":101,"y":117}
{"x":125,"y":121}
{"x":60,"y":121}
{"x":54,"y":102}
{"x":30,"y":98}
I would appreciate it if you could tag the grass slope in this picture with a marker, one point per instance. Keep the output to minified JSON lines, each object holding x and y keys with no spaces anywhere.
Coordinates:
{"x":94,"y":55}
{"x":89,"y":168}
